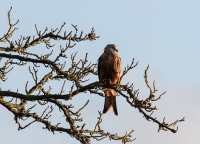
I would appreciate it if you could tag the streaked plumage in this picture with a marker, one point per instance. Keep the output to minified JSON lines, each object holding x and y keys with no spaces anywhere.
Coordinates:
{"x":109,"y":72}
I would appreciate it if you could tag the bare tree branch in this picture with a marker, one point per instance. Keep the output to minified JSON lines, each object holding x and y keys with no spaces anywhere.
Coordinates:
{"x":72,"y":74}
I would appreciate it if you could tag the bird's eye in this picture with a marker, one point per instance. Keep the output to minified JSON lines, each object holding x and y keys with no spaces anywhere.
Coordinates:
{"x":115,"y":49}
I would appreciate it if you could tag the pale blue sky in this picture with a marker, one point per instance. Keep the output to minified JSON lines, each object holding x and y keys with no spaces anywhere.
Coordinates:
{"x":163,"y":34}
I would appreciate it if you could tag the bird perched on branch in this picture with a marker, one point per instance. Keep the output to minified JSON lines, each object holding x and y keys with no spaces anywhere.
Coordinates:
{"x":109,"y":72}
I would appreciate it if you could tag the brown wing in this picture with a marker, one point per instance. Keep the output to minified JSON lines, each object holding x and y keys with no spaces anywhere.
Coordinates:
{"x":100,"y":68}
{"x":116,"y":73}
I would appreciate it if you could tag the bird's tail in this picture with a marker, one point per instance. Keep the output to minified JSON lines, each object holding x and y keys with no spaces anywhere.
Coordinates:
{"x":110,"y":101}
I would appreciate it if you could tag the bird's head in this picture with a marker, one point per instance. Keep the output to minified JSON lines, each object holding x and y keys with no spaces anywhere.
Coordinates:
{"x":111,"y":48}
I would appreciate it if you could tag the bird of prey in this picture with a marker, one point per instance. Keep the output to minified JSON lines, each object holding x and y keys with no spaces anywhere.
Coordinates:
{"x":109,"y":73}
